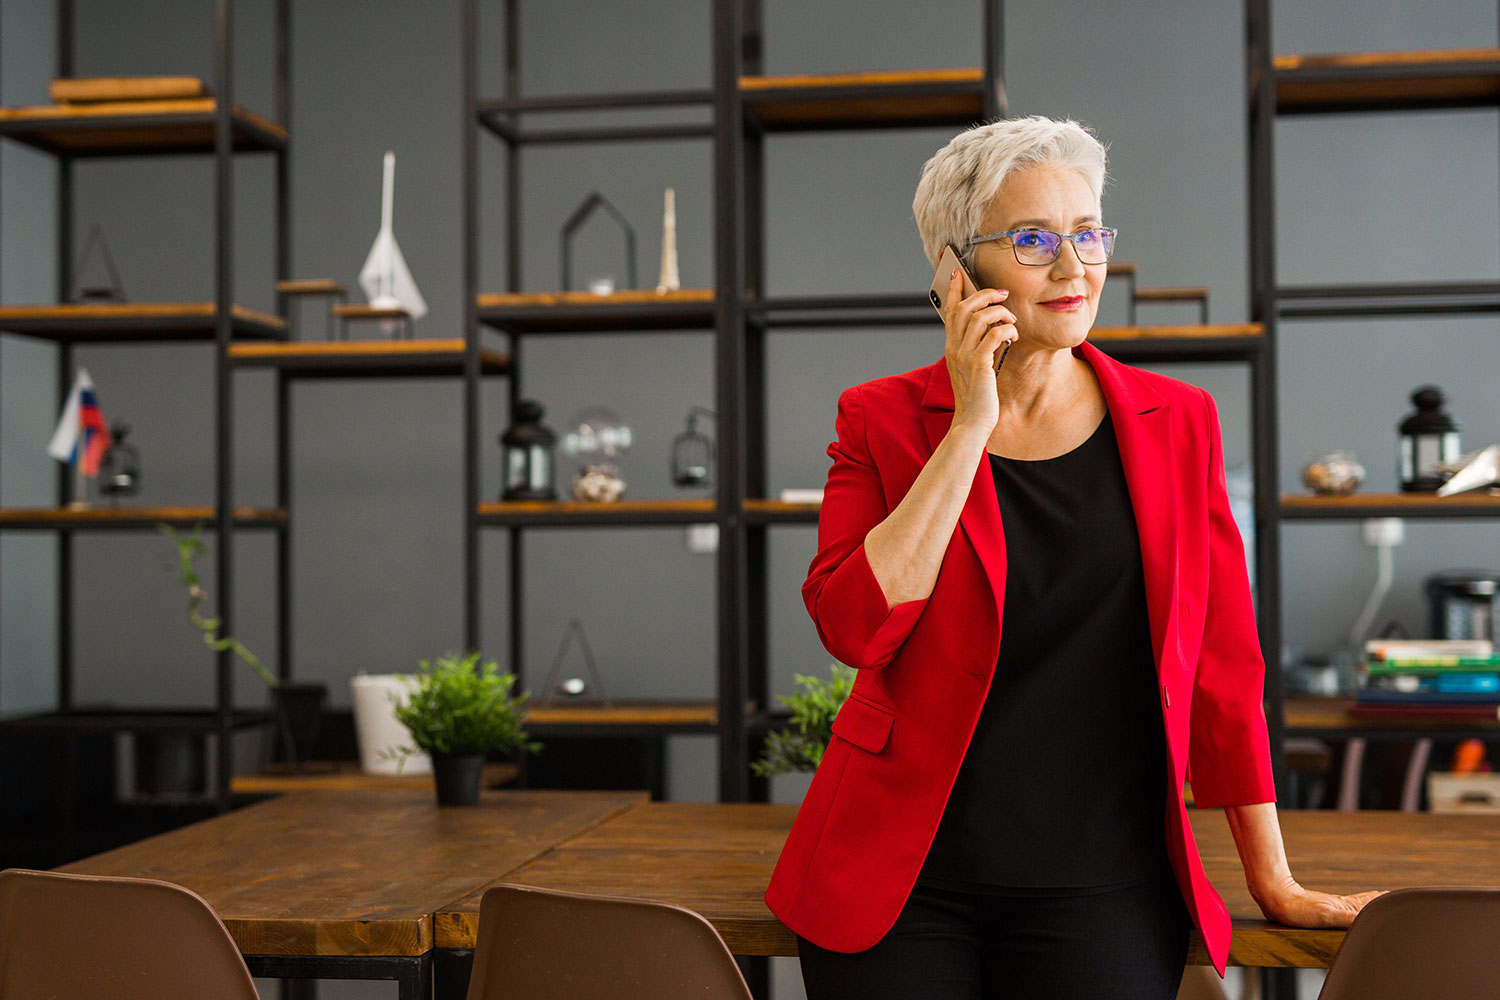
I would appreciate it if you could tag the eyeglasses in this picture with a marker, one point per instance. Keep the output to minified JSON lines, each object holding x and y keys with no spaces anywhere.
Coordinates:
{"x":1041,"y":246}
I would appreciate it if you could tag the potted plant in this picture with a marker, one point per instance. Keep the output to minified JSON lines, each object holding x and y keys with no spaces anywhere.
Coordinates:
{"x":298,"y":707}
{"x":800,"y":746}
{"x":460,"y":711}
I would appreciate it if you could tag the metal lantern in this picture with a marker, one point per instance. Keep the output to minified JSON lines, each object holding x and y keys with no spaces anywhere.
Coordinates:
{"x":120,"y":468}
{"x":693,"y":453}
{"x":529,"y":459}
{"x":1429,"y":438}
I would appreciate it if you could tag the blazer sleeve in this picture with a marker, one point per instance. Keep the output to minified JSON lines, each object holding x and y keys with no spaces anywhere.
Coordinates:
{"x":1228,"y":750}
{"x":847,"y":605}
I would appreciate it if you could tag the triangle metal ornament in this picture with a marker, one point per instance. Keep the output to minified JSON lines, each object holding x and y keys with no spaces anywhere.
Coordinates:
{"x":115,"y":290}
{"x":550,"y":688}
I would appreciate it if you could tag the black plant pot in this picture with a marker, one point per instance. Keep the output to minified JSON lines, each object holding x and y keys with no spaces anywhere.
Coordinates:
{"x":299,"y":715}
{"x":457,"y":778}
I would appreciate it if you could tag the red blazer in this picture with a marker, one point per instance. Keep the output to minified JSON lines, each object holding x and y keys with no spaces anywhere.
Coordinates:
{"x":869,"y":816}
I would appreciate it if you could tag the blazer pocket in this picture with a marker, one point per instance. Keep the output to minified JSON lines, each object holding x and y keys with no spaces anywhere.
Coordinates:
{"x":864,"y":724}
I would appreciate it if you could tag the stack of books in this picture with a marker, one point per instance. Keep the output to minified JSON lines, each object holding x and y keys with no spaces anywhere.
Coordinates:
{"x":1450,"y":678}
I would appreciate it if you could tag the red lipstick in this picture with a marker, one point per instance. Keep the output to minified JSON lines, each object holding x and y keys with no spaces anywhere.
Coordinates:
{"x":1071,"y":303}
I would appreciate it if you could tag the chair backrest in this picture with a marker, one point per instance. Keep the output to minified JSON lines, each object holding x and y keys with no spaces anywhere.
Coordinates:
{"x":80,"y":937}
{"x":548,"y":945}
{"x":1429,"y":943}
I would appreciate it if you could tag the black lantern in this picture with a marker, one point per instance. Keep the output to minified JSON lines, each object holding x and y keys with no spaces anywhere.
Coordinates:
{"x":693,"y":453}
{"x":1429,"y":438}
{"x":528,"y":455}
{"x":120,"y":469}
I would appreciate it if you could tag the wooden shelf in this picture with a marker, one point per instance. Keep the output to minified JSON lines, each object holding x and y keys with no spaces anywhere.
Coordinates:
{"x":311,"y":286}
{"x":865,"y":100}
{"x":139,"y":322}
{"x":622,"y":717}
{"x":1330,"y":718}
{"x":781,"y":512}
{"x":128,"y":720}
{"x":585,"y":312}
{"x":1387,"y":81}
{"x":1361,"y":505}
{"x":1186,"y":342}
{"x":1186,"y":293}
{"x":366,"y":358}
{"x":624,"y":513}
{"x":133,"y":128}
{"x":125,"y":518}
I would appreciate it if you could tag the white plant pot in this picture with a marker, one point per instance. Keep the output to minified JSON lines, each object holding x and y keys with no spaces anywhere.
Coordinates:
{"x":380,"y":734}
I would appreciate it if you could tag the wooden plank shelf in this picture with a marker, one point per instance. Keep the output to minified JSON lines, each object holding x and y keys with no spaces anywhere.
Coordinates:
{"x":136,"y":322}
{"x":1329,"y":718}
{"x":133,"y":128}
{"x":128,"y":720}
{"x":585,"y":312}
{"x":1387,"y":81}
{"x":780,"y":512}
{"x":1476,"y":503}
{"x":1184,"y":293}
{"x":621,"y":718}
{"x":865,"y":100}
{"x":130,"y":518}
{"x":366,"y":358}
{"x":346,"y":776}
{"x":576,"y":513}
{"x":311,"y":286}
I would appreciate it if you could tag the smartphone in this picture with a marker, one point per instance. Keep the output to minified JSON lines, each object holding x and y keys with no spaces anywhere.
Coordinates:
{"x":948,"y":262}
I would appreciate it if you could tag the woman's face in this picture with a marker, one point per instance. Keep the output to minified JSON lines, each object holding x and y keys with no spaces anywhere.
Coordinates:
{"x":1055,"y":304}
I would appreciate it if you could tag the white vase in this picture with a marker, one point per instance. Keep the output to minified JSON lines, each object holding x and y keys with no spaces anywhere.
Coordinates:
{"x":380,"y":733}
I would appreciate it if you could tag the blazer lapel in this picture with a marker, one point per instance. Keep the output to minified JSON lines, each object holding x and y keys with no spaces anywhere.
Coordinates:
{"x":1143,"y":429}
{"x":980,"y":517}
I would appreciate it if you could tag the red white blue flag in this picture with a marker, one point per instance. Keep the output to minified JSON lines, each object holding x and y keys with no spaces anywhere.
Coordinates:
{"x":81,"y":437}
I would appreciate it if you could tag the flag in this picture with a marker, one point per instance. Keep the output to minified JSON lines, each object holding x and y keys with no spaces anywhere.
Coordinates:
{"x":81,"y":437}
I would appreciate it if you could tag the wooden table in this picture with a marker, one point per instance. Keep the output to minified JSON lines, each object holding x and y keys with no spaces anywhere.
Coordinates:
{"x":717,"y":859}
{"x":344,"y":885}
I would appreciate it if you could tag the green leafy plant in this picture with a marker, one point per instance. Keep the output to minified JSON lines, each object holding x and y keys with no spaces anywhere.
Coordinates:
{"x":189,"y":548}
{"x":461,"y":707}
{"x":800,"y":746}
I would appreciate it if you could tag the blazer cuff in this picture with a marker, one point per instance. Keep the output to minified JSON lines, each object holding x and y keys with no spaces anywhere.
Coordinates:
{"x":857,"y":626}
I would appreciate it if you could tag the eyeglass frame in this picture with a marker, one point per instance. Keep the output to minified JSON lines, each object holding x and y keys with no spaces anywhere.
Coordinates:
{"x":1071,"y":237}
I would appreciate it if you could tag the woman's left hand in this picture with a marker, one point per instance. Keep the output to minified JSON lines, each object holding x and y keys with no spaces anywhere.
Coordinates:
{"x":1289,"y":903}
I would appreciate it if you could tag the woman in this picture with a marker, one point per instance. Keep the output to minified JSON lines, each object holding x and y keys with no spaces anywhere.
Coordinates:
{"x":1026,"y":549}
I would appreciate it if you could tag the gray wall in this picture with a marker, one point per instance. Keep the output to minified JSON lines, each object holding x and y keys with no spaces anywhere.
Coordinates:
{"x":377,"y":530}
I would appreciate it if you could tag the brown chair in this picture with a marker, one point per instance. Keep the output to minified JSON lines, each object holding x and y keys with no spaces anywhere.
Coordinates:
{"x":1429,"y":943}
{"x":543,"y":944}
{"x":80,"y":937}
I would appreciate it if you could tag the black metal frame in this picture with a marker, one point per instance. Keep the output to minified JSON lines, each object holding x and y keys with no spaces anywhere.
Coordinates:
{"x":231,"y":135}
{"x":1272,"y":302}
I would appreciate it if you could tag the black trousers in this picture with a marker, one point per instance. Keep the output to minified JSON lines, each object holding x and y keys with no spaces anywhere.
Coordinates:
{"x":1121,"y":944}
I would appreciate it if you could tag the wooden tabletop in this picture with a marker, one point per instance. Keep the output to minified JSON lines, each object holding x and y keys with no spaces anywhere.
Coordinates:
{"x":717,"y":859}
{"x":354,"y":873}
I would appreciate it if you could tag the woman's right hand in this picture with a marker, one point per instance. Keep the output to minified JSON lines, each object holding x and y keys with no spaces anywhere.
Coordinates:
{"x":977,"y":328}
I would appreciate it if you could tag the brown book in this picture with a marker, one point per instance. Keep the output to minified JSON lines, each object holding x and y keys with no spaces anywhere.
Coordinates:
{"x":99,"y":89}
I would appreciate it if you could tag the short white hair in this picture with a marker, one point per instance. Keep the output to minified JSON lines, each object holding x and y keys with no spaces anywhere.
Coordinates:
{"x":960,"y":181}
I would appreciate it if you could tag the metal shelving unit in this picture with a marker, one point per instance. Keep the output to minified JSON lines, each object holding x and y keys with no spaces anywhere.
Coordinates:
{"x":216,"y":128}
{"x":1347,"y":83}
{"x":745,"y":106}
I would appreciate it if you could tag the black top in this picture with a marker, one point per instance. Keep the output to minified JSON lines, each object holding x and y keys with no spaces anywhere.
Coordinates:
{"x":1064,"y":783}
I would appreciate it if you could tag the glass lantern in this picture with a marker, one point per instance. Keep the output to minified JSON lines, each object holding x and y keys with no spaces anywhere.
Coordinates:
{"x":528,"y":451}
{"x":599,"y":438}
{"x":120,"y":468}
{"x":1429,"y":438}
{"x":693,"y":453}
